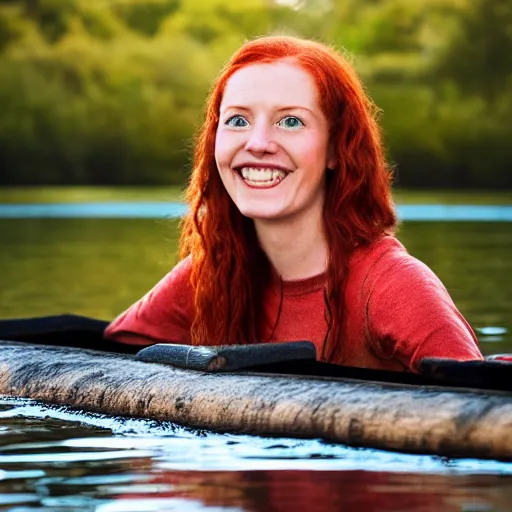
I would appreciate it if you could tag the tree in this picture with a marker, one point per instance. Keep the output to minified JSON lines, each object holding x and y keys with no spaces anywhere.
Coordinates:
{"x":479,"y":58}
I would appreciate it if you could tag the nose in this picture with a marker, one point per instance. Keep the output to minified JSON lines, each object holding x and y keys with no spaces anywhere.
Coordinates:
{"x":260,"y":140}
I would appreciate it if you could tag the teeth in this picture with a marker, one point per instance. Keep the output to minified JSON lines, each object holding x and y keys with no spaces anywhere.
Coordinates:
{"x":262,"y":176}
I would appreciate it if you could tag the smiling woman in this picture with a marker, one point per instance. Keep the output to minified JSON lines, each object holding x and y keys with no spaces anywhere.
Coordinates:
{"x":290,"y":234}
{"x":277,"y":143}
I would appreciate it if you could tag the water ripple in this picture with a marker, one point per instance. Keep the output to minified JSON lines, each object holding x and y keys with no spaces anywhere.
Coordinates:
{"x":170,"y":447}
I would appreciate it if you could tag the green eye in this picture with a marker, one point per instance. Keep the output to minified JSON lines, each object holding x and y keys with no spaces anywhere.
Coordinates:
{"x":291,"y":122}
{"x":237,"y":122}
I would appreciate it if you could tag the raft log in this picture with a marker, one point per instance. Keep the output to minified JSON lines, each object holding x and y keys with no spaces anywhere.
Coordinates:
{"x":448,"y":422}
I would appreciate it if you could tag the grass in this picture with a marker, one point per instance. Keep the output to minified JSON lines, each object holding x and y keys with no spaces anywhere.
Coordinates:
{"x":175,"y":193}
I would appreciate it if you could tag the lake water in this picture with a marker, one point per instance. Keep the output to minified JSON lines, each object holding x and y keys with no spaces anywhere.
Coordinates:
{"x":159,"y":210}
{"x":55,"y":459}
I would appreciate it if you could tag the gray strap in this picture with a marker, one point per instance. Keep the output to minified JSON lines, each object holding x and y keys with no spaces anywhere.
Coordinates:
{"x":226,"y":357}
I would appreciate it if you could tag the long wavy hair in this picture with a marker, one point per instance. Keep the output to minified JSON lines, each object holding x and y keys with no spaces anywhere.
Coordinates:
{"x":229,"y":269}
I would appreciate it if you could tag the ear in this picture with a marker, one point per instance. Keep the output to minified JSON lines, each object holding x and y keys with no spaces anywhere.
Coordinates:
{"x":332,"y":159}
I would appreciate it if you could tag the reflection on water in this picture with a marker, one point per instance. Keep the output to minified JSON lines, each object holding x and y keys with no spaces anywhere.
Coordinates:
{"x":57,"y":459}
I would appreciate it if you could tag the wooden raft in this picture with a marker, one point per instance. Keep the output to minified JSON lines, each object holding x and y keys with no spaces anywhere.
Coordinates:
{"x":448,"y":422}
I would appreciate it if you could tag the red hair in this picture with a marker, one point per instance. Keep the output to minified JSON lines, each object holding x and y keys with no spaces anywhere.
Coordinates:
{"x":229,"y":269}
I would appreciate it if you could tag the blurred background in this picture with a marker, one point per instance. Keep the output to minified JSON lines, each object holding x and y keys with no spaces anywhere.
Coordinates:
{"x":100,"y":101}
{"x":110,"y":92}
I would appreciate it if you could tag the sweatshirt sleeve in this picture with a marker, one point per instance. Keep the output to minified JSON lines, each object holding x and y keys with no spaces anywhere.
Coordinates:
{"x":163,"y":315}
{"x":410,"y":315}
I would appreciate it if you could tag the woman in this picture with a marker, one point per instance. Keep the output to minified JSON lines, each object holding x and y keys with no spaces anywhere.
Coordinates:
{"x":290,"y":230}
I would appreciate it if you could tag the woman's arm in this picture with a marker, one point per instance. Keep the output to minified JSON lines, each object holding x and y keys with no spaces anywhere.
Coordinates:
{"x":410,"y":314}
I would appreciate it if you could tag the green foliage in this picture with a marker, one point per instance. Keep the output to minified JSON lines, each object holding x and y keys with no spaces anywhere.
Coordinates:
{"x":479,"y":58}
{"x":52,"y":16}
{"x":144,"y":16}
{"x":112,"y":91}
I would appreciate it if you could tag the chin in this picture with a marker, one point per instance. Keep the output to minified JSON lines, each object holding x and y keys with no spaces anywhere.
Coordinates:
{"x":260,"y":213}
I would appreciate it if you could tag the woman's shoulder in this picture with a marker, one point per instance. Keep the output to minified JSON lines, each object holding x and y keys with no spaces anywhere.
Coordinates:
{"x":387,"y":259}
{"x":163,"y":314}
{"x":172,"y":293}
{"x":385,"y":244}
{"x":180,"y":273}
{"x":378,"y":255}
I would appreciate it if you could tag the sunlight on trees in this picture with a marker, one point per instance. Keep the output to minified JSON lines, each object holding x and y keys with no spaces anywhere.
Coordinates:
{"x":112,"y":91}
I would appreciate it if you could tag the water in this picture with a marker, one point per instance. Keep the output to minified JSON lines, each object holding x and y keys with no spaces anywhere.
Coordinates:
{"x":159,"y":210}
{"x":61,"y":460}
{"x":98,"y":267}
{"x":55,"y":459}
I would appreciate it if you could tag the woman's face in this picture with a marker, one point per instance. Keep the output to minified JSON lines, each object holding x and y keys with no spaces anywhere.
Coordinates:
{"x":272,"y":142}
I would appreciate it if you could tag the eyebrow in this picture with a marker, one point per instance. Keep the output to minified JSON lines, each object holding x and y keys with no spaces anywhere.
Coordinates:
{"x":280,"y":109}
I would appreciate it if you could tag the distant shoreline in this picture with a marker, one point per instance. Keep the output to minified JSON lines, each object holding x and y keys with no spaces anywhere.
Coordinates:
{"x":175,"y":194}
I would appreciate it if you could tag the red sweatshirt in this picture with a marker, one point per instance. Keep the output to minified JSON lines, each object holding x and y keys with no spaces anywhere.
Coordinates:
{"x":398,"y":312}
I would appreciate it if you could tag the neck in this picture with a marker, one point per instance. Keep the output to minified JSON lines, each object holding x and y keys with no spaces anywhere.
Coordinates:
{"x":296,"y":249}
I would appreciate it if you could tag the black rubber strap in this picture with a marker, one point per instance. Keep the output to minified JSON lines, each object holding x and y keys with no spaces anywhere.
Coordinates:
{"x":25,"y":327}
{"x":63,"y":330}
{"x":486,"y":374}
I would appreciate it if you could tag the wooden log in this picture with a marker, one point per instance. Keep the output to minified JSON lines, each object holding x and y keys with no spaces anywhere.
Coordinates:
{"x":448,"y":422}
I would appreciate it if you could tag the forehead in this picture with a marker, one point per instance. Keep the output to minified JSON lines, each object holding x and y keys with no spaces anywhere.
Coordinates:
{"x":276,"y":84}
